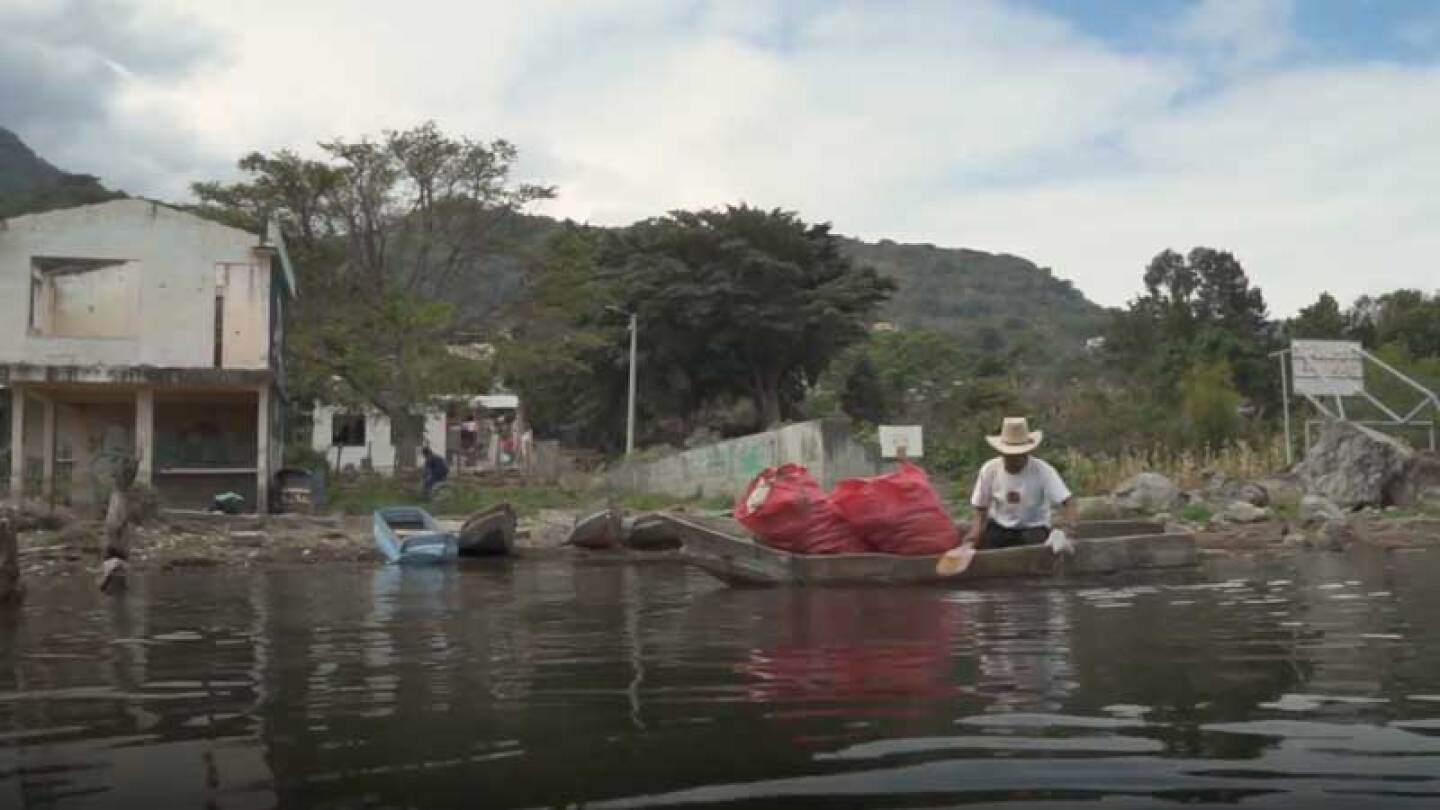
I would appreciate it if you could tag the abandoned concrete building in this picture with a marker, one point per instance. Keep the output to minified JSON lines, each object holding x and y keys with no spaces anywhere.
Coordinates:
{"x":133,"y":330}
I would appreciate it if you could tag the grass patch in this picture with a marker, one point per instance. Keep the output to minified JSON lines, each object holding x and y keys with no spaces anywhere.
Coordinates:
{"x":1196,"y":513}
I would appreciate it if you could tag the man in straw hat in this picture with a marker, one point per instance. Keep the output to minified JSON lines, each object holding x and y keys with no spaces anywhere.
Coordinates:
{"x":1014,"y":494}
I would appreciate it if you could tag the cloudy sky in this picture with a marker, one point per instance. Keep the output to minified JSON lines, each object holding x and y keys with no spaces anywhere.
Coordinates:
{"x":1086,"y":135}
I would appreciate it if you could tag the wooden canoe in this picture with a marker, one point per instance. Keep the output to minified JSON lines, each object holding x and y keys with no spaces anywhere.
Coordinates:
{"x":650,"y":532}
{"x":721,"y":548}
{"x":409,"y":535}
{"x":598,"y":531}
{"x":489,"y":533}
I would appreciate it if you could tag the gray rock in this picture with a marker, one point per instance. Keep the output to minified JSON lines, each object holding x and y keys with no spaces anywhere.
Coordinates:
{"x":1315,"y":509}
{"x":1244,"y":512}
{"x":1296,"y":540}
{"x":1148,"y":493}
{"x":1336,"y":535}
{"x":1354,"y":466}
{"x":1282,"y":491}
{"x":1101,"y":507}
{"x":1429,"y":499}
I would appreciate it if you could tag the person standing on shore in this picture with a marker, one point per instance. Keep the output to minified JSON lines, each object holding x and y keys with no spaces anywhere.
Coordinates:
{"x":435,"y":471}
{"x":1015,"y":493}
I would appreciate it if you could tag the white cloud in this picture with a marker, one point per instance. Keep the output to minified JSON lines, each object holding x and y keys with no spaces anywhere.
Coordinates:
{"x":977,"y":124}
{"x":1239,"y":34}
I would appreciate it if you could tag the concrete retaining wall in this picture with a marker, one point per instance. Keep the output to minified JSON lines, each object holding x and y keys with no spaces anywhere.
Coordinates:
{"x":724,"y":469}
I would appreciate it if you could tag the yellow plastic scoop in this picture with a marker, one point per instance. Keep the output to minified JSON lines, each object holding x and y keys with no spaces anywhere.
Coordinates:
{"x":955,"y":561}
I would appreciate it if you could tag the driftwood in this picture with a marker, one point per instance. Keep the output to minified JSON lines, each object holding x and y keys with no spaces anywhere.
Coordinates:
{"x":115,"y":550}
{"x":11,"y":589}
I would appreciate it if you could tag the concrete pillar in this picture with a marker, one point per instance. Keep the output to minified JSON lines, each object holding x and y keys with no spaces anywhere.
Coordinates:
{"x":262,"y":452}
{"x":145,"y":436}
{"x":17,"y":443}
{"x":47,"y":448}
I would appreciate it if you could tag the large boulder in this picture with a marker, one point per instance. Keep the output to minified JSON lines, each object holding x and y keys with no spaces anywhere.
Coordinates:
{"x":1420,"y":483}
{"x":1221,"y":490}
{"x":1355,"y":466}
{"x":1149,"y":493}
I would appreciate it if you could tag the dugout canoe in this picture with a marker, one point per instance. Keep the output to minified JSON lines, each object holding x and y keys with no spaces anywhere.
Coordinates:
{"x":489,"y":533}
{"x":723,"y":549}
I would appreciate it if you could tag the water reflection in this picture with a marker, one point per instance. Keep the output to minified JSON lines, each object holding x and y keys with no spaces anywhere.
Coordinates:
{"x":1280,"y":683}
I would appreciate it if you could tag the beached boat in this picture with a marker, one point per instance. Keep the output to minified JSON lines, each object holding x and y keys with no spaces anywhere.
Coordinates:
{"x":409,"y":535}
{"x":490,"y":533}
{"x":598,"y":531}
{"x":722,"y":548}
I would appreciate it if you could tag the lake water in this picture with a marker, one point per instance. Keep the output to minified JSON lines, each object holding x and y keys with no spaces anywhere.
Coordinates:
{"x":1304,"y":682}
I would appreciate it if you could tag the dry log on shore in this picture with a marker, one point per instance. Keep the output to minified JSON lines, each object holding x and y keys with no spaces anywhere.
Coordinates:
{"x":11,"y":589}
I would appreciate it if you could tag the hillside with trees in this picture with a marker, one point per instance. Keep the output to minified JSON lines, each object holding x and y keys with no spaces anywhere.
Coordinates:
{"x":29,"y":184}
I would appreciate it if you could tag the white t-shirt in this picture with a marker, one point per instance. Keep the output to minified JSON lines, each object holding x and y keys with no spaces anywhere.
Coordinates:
{"x":1022,"y":500}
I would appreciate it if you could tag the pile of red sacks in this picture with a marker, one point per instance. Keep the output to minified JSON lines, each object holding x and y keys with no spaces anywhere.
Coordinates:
{"x":895,"y":513}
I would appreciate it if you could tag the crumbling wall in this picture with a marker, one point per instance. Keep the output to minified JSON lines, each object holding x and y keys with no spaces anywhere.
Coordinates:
{"x":724,"y":468}
{"x":173,"y":256}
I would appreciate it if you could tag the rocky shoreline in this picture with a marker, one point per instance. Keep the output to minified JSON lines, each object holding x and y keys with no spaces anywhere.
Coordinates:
{"x":1354,"y":489}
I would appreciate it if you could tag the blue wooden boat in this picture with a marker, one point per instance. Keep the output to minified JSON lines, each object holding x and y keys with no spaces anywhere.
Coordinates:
{"x":409,"y":535}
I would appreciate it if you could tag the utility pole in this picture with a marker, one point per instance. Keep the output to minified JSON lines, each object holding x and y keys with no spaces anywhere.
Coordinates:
{"x":630,"y":417}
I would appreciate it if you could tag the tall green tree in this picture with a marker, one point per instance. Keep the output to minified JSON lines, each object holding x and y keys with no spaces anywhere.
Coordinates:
{"x":1321,"y":320}
{"x":741,"y":299}
{"x":383,"y":226}
{"x":1196,"y":308}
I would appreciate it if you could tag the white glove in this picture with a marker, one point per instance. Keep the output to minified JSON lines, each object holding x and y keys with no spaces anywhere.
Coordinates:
{"x":1059,"y":543}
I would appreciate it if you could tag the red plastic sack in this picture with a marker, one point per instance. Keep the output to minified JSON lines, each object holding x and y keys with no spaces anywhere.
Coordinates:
{"x":788,"y":510}
{"x":897,"y":513}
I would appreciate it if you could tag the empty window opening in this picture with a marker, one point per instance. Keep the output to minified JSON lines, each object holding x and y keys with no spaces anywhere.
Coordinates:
{"x":347,"y":429}
{"x":84,"y":298}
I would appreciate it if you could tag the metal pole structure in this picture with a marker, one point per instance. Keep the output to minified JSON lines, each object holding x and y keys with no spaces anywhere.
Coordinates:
{"x":630,"y":418}
{"x":1285,"y":406}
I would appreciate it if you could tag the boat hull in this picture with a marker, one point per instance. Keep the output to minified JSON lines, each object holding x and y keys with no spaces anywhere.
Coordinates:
{"x":407,"y":535}
{"x":490,"y":533}
{"x":720,"y":548}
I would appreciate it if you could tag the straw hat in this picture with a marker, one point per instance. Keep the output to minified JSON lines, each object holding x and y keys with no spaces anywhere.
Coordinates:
{"x":1015,"y":437}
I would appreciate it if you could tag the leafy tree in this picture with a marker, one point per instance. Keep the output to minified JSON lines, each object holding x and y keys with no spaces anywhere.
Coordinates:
{"x":1322,"y":319}
{"x":1409,"y":318}
{"x":1196,"y":309}
{"x":1210,"y":403}
{"x":741,"y":299}
{"x":863,"y":398}
{"x":382,"y":228}
{"x":566,"y":354}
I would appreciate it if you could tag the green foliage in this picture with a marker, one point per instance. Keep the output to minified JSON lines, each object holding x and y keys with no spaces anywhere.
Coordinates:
{"x":1210,"y":404}
{"x":566,"y":355}
{"x":1196,"y":513}
{"x":1408,"y":318}
{"x":989,"y":303}
{"x":740,"y":300}
{"x":863,"y":399}
{"x":1322,"y":319}
{"x":380,"y":229}
{"x":733,"y":304}
{"x":1195,"y":343}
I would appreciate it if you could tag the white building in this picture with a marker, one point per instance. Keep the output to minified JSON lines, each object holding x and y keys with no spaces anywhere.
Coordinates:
{"x":469,"y":431}
{"x":133,"y":328}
